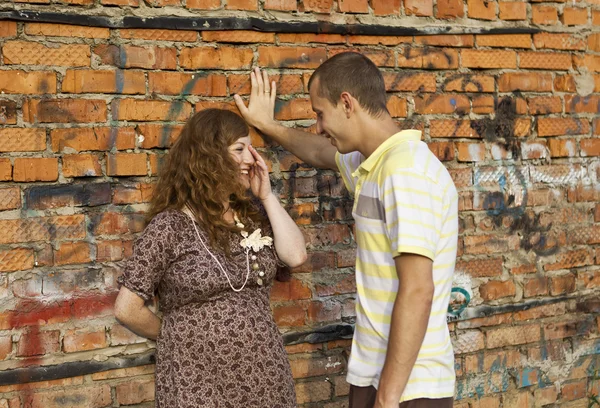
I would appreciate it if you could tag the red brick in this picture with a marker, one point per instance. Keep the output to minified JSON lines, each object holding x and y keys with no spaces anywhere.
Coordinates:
{"x":318,"y":6}
{"x":159,"y":34}
{"x":450,"y":9}
{"x":385,"y":7}
{"x":528,"y":82}
{"x":545,"y":60}
{"x":289,"y":316}
{"x":150,"y":110}
{"x":537,"y":286}
{"x":64,"y":111}
{"x":5,"y":347}
{"x":470,"y":152}
{"x":428,"y":58}
{"x":469,"y":83}
{"x":32,"y":53}
{"x":35,"y":169}
{"x":353,"y":6}
{"x":203,"y":4}
{"x":596,"y":17}
{"x":109,"y":251}
{"x":38,"y":343}
{"x":22,"y":140}
{"x":562,"y":147}
{"x":577,"y":104}
{"x":8,"y":112}
{"x":456,"y":40}
{"x":378,"y":40}
{"x":565,"y":83}
{"x":290,"y":57}
{"x":422,"y":8}
{"x":574,"y":16}
{"x":442,"y":104}
{"x":488,"y":59}
{"x":282,"y":5}
{"x":88,"y":396}
{"x":97,"y":138}
{"x":131,"y":3}
{"x":544,"y":105}
{"x":17,"y":259}
{"x":303,"y":38}
{"x":286,"y":84}
{"x":315,"y":366}
{"x":69,"y":253}
{"x":38,"y":229}
{"x":156,"y":135}
{"x":241,"y":5}
{"x":590,"y":147}
{"x":135,"y":392}
{"x":74,"y":341}
{"x":510,"y":336}
{"x":491,"y":267}
{"x":320,"y":260}
{"x":452,"y":128}
{"x":104,"y":81}
{"x":177,"y":83}
{"x":81,"y":165}
{"x":560,"y":285}
{"x":313,"y":391}
{"x":291,"y":290}
{"x":124,"y":372}
{"x":412,"y":82}
{"x":504,"y":40}
{"x":131,"y":56}
{"x":482,"y":9}
{"x":563,"y":126}
{"x":29,"y":83}
{"x":574,"y":390}
{"x":8,"y":29}
{"x":444,"y":151}
{"x":222,"y":57}
{"x":493,"y":290}
{"x":513,"y":10}
{"x":65,"y":30}
{"x":126,"y":164}
{"x":544,"y":15}
{"x":557,"y":41}
{"x":238,"y":36}
{"x":5,"y":170}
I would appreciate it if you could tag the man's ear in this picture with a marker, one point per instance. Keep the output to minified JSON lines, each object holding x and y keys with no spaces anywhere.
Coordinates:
{"x":348,"y":103}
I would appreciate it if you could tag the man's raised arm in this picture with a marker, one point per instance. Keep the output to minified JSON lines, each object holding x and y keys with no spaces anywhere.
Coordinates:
{"x":312,"y":149}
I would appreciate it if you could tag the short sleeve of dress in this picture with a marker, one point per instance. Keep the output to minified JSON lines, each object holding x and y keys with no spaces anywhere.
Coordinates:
{"x":152,"y":254}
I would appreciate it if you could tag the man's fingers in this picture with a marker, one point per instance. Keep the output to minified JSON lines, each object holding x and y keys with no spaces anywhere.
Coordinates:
{"x":265,"y":78}
{"x":240,"y":104}
{"x":259,"y":80}
{"x":254,"y":82}
{"x":273,"y":91}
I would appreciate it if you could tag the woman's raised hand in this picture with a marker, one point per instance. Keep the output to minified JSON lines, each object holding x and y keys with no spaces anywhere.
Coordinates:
{"x":260,"y":183}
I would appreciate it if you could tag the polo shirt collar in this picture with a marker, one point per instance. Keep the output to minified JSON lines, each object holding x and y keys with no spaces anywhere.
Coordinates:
{"x":400,"y":137}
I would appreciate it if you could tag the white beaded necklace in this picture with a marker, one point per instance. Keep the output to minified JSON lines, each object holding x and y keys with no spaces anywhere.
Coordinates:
{"x":189,"y":214}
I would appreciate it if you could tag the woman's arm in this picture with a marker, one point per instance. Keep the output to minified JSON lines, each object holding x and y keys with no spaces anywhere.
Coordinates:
{"x":132,"y":312}
{"x":289,"y":241}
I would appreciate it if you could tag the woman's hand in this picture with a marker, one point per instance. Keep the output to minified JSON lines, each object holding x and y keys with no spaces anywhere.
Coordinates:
{"x":259,"y":176}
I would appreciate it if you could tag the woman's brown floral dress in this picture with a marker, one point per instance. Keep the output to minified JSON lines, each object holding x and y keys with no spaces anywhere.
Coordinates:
{"x":216,"y":348}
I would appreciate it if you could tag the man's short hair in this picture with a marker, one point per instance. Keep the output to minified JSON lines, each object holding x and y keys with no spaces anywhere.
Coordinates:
{"x":353,"y":73}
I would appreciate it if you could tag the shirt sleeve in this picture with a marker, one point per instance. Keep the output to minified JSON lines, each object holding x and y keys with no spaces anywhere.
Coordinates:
{"x":412,"y":204}
{"x":152,"y":254}
{"x":347,"y":164}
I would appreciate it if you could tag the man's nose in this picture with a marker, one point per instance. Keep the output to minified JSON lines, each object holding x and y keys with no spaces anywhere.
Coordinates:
{"x":319,"y":127}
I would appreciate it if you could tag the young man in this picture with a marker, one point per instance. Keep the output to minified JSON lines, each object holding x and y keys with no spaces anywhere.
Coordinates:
{"x":406,"y":215}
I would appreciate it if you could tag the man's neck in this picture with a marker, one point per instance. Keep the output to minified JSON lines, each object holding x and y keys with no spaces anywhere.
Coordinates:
{"x":376,"y":132}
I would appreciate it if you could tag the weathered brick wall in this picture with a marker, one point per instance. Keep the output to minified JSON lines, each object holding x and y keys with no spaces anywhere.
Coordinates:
{"x":87,"y":113}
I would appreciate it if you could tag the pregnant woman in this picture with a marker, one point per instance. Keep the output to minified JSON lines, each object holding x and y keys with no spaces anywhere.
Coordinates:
{"x":215,"y":238}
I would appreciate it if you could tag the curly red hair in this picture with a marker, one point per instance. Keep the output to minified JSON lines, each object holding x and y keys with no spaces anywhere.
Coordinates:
{"x":200,"y":172}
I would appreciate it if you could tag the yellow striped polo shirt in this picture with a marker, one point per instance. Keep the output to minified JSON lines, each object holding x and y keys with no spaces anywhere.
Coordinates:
{"x":404,"y":202}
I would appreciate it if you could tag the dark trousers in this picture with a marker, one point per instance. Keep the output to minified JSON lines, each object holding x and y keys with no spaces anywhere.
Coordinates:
{"x":364,"y":397}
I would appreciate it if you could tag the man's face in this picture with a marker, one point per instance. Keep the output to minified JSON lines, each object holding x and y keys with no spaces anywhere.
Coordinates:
{"x":332,"y":121}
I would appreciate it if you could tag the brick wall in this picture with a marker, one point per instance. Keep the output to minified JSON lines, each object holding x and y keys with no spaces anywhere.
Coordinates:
{"x":87,"y":113}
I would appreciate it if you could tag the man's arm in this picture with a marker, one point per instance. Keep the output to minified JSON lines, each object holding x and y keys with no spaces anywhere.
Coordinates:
{"x":312,"y":149}
{"x":410,"y":317}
